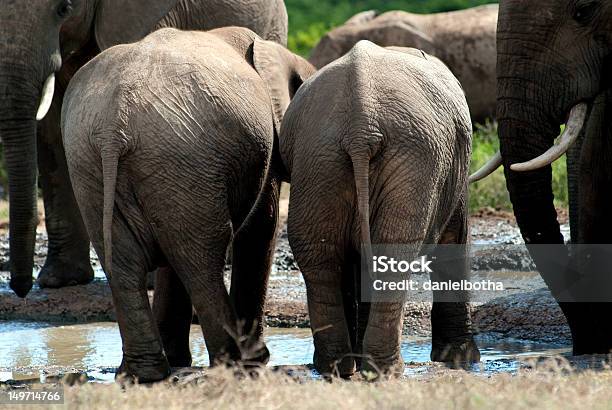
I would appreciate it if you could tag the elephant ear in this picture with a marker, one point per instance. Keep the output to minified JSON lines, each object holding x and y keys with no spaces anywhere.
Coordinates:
{"x":283,"y":73}
{"x":123,"y":22}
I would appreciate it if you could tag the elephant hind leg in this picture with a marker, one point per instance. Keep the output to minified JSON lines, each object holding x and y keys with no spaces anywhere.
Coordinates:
{"x":321,"y":265}
{"x":252,"y":255}
{"x":451,"y":324}
{"x":143,"y":353}
{"x":356,"y":308}
{"x":198,"y":257}
{"x":317,"y":227}
{"x":333,"y":350}
{"x":173,"y":314}
{"x":401,"y":223}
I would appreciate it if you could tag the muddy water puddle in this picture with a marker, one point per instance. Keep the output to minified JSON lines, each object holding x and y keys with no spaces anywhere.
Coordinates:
{"x":33,"y":351}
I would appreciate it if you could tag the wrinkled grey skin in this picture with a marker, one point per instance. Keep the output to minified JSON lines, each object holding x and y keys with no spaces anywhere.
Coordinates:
{"x":384,"y":133}
{"x":168,"y":143}
{"x":552,"y":56}
{"x":464,"y":40}
{"x":39,"y":37}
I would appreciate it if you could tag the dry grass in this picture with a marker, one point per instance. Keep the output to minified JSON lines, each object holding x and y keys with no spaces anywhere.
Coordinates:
{"x":220,"y":389}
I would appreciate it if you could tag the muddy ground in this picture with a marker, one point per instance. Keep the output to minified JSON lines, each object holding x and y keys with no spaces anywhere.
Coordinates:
{"x":525,"y":310}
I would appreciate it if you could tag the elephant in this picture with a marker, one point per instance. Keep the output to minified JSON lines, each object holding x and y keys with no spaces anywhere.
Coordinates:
{"x":42,"y":41}
{"x":554,"y":64}
{"x":464,"y":40}
{"x":376,"y":146}
{"x":168,"y":144}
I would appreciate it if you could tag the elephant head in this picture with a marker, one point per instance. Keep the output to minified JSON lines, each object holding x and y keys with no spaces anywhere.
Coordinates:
{"x":553,"y":61}
{"x":36,"y":38}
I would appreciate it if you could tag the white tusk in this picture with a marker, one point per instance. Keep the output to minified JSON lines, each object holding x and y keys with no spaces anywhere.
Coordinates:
{"x":570,"y":135}
{"x":489,"y":168}
{"x":47,"y":98}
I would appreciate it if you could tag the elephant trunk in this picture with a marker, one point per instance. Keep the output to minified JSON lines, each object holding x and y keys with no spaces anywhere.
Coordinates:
{"x":526,"y":134}
{"x":18,"y":108}
{"x":522,"y":139}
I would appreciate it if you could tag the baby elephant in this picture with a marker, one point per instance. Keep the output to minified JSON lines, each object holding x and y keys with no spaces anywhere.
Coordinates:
{"x":376,"y":146}
{"x":169,"y":143}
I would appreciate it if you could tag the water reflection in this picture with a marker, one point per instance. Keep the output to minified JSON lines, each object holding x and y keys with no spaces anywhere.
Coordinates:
{"x":98,"y":346}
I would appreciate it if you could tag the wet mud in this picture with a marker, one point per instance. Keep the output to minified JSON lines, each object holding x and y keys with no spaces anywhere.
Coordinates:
{"x":69,"y":334}
{"x":526,"y":311}
{"x":89,"y":352}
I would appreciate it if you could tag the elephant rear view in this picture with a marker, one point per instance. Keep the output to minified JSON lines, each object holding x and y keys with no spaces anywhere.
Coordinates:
{"x":377,"y":145}
{"x":168,"y":143}
{"x":43,"y":43}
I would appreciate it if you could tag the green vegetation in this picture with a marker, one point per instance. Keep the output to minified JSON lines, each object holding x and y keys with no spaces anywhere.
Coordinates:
{"x":490,"y":192}
{"x":309,"y":20}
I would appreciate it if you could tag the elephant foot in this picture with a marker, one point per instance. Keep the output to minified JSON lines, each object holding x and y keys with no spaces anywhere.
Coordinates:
{"x":58,"y":274}
{"x":249,"y":355}
{"x":585,"y":320}
{"x":255,"y":355}
{"x":592,"y":341}
{"x":462,"y":350}
{"x":342,"y":366}
{"x":592,"y":348}
{"x":374,"y":369}
{"x":151,"y":372}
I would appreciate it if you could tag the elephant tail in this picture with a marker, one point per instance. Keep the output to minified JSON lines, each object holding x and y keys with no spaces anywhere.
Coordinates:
{"x":110,"y":163}
{"x":361,"y":170}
